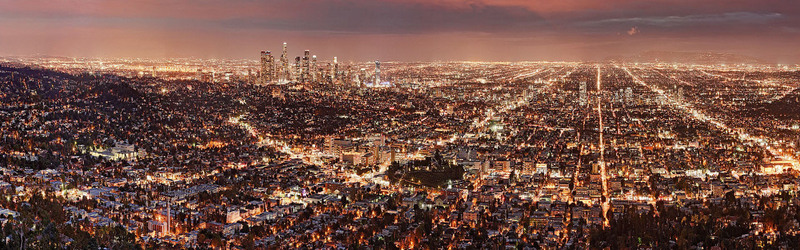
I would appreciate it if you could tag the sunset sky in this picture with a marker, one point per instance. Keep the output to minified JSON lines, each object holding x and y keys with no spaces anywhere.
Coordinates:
{"x":353,"y":30}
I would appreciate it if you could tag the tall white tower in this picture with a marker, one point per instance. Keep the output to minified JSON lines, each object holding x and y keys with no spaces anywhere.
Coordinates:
{"x":313,"y":68}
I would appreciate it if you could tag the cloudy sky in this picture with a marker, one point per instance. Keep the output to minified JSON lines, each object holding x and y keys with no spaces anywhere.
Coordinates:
{"x":496,"y":30}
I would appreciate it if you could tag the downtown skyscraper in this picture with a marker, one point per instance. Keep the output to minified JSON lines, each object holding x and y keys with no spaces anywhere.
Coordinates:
{"x":284,"y":70}
{"x":267,"y":67}
{"x":304,"y":75}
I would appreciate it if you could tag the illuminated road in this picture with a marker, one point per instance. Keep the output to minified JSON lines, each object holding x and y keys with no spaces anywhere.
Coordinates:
{"x":265,"y":140}
{"x":603,"y":174}
{"x":528,"y":74}
{"x":507,"y":105}
{"x":763,"y":142}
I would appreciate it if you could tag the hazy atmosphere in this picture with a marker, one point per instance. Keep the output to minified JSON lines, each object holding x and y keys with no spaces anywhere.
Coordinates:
{"x":505,"y":30}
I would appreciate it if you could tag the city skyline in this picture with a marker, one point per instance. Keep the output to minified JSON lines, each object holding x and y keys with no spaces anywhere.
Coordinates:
{"x":399,"y":124}
{"x":400,"y":30}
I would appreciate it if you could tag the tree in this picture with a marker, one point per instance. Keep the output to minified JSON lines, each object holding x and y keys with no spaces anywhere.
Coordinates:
{"x":49,"y":238}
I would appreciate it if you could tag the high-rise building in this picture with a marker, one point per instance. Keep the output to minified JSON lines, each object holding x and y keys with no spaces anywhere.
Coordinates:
{"x":362,"y":78}
{"x":377,"y":73}
{"x":313,"y":68}
{"x":263,"y":70}
{"x":306,"y":64}
{"x":325,"y":73}
{"x":335,"y":73}
{"x":284,"y":70}
{"x":267,"y":67}
{"x":346,"y":75}
{"x":582,"y":95}
{"x":298,"y":72}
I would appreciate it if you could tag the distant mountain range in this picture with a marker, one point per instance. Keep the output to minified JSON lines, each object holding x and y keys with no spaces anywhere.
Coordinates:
{"x":703,"y":58}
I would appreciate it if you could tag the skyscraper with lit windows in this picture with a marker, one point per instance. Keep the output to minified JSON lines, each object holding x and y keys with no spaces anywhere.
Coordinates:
{"x":304,"y":76}
{"x":298,"y":70}
{"x":267,"y":67}
{"x":284,"y":67}
{"x":335,"y":73}
{"x":313,"y":68}
{"x":582,"y":95}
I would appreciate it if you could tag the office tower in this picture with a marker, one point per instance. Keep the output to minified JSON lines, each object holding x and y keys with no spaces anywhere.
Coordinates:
{"x":267,"y":66}
{"x":582,"y":95}
{"x":347,"y":75}
{"x":325,"y":73}
{"x":362,"y":78}
{"x":271,"y":66}
{"x":263,"y":71}
{"x":284,"y":67}
{"x":335,"y":70}
{"x":306,"y":65}
{"x":377,"y":73}
{"x":313,"y":70}
{"x":298,"y":73}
